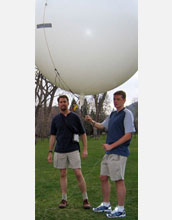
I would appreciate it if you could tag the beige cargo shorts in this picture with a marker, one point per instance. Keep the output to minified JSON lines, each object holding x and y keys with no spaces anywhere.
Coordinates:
{"x":113,"y":165}
{"x":67,"y":160}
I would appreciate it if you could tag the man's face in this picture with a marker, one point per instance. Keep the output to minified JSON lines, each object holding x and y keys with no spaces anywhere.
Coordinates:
{"x":63,"y":104}
{"x":118,"y":101}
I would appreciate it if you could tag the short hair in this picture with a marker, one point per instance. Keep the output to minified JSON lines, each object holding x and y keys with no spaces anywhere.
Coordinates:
{"x":62,"y":96}
{"x":120,"y":92}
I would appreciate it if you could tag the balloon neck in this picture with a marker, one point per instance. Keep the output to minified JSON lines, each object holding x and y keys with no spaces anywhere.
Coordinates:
{"x":81,"y":101}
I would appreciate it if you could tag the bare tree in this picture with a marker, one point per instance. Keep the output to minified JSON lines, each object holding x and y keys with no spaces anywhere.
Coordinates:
{"x":44,"y":96}
{"x":98,"y":100}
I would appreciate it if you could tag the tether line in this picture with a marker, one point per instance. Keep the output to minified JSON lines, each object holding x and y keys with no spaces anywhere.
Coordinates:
{"x":62,"y":83}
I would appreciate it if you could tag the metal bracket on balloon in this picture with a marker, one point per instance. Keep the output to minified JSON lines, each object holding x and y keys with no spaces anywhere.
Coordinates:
{"x":45,"y":25}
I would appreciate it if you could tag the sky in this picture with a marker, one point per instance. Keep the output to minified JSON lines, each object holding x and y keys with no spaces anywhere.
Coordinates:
{"x":130,"y":87}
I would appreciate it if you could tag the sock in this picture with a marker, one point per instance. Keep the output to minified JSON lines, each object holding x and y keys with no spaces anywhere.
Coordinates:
{"x":106,"y":204}
{"x":64,"y":196}
{"x":84,"y":196}
{"x":120,"y":208}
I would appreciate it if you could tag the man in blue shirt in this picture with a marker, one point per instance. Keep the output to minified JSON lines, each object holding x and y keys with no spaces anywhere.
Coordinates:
{"x":66,"y":127}
{"x":119,"y":126}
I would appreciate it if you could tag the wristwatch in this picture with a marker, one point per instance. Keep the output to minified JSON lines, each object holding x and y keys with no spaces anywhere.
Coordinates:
{"x":50,"y":151}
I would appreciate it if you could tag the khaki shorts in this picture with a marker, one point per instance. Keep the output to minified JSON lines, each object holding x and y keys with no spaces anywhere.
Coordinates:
{"x":67,"y":160}
{"x":113,"y":165}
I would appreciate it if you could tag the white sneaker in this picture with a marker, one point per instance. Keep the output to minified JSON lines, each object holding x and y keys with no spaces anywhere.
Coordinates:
{"x":116,"y":214}
{"x":102,"y":208}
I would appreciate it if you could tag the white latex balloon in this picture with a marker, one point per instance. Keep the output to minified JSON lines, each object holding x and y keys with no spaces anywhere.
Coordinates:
{"x":86,"y":46}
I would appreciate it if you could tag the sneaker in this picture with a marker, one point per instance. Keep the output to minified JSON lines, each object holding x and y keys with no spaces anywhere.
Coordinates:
{"x":102,"y":208}
{"x":63,"y":204}
{"x":116,"y":214}
{"x":86,"y":204}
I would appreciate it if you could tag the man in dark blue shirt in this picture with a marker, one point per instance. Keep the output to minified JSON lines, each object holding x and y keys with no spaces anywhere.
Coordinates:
{"x":119,"y":126}
{"x":66,"y":128}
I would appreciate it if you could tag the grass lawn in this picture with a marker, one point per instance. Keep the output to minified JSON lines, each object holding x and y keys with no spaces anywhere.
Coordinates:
{"x":47,"y":189}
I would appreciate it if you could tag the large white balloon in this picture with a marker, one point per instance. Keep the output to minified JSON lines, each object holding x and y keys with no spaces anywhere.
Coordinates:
{"x":86,"y":46}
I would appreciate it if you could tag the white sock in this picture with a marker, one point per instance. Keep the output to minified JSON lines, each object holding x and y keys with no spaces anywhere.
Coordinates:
{"x":84,"y":196}
{"x":120,"y":208}
{"x":106,"y":204}
{"x":64,"y":196}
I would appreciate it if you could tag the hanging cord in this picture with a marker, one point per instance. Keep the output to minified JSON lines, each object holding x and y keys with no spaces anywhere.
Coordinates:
{"x":62,"y":83}
{"x":57,"y":75}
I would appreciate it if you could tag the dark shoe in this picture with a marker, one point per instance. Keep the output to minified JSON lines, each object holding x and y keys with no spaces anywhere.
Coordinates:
{"x":86,"y":204}
{"x":63,"y":204}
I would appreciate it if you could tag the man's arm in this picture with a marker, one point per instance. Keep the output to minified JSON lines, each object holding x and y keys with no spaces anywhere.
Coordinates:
{"x":94,"y":123}
{"x":51,"y":146}
{"x":122,"y":140}
{"x":84,"y":142}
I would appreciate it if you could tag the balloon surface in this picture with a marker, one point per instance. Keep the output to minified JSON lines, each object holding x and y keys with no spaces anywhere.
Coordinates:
{"x":86,"y":46}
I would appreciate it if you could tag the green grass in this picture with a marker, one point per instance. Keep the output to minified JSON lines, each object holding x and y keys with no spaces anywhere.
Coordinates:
{"x":47,"y":189}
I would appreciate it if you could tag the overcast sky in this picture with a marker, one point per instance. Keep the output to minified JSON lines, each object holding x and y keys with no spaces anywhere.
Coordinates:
{"x":130,"y":87}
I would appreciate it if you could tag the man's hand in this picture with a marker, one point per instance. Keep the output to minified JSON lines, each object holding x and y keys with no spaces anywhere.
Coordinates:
{"x":84,"y":154}
{"x":50,"y":157}
{"x":107,"y":147}
{"x":88,"y":118}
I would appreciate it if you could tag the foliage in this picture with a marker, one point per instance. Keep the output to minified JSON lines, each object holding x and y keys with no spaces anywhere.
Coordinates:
{"x":47,"y":190}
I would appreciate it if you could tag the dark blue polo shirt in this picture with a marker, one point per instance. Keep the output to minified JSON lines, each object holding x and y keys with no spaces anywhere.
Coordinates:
{"x":117,"y":125}
{"x":64,"y":127}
